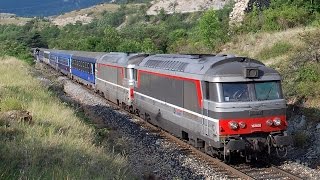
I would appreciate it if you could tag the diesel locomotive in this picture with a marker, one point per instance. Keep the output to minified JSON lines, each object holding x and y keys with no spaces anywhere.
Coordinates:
{"x":221,"y":104}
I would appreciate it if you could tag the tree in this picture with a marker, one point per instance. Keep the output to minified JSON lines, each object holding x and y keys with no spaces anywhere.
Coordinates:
{"x":212,"y":30}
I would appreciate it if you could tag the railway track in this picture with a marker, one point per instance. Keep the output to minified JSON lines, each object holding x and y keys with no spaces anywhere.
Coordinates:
{"x":240,"y":171}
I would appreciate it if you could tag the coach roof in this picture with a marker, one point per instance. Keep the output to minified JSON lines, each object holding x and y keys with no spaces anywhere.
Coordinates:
{"x":91,"y":57}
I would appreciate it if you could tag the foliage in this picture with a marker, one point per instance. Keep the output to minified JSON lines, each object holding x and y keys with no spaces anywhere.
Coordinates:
{"x":8,"y":48}
{"x":301,"y":74}
{"x":212,"y":29}
{"x":277,"y":49}
{"x":276,"y":18}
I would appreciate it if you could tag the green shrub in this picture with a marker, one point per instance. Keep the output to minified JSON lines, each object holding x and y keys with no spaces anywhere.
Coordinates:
{"x":177,"y":35}
{"x":276,"y":18}
{"x":277,"y":49}
{"x":129,"y":46}
{"x":284,"y":18}
{"x":10,"y":103}
{"x":212,"y":30}
{"x":309,"y":73}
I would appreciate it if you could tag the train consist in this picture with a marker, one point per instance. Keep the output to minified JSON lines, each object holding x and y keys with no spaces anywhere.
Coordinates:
{"x":221,"y":104}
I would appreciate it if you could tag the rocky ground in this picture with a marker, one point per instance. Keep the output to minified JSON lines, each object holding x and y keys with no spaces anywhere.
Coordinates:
{"x":184,"y":6}
{"x":150,"y":156}
{"x":307,"y":135}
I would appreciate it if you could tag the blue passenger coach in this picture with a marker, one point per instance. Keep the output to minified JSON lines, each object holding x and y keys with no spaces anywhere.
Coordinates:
{"x":64,"y":62}
{"x":53,"y":60}
{"x":83,"y":69}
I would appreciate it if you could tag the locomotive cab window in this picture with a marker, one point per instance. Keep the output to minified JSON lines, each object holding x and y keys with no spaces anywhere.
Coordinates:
{"x":235,"y":92}
{"x":251,"y":91}
{"x":268,"y":91}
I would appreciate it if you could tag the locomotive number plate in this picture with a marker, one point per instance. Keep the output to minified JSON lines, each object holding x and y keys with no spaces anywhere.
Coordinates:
{"x":256,"y":125}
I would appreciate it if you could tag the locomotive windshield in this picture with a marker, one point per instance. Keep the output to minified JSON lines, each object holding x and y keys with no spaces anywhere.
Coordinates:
{"x":253,"y":91}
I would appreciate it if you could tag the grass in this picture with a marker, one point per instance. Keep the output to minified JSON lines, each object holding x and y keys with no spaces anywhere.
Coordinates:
{"x":57,"y":144}
{"x":276,"y":50}
{"x":258,"y":45}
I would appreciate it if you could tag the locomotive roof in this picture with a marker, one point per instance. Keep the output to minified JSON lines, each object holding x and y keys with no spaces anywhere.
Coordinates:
{"x":192,"y":64}
{"x":233,"y":69}
{"x":218,"y":68}
{"x":120,"y":58}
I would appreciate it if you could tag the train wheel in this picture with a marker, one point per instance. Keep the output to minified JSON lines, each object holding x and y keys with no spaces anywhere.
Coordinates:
{"x":281,"y":152}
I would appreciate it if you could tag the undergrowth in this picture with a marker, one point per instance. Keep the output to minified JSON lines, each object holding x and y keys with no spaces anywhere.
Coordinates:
{"x":57,"y":144}
{"x":277,"y":49}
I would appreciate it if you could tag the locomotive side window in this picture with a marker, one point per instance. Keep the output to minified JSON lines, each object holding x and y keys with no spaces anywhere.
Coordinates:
{"x":233,"y":92}
{"x":267,"y":91}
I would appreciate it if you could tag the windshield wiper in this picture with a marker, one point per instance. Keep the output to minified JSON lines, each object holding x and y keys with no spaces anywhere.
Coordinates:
{"x":268,"y":94}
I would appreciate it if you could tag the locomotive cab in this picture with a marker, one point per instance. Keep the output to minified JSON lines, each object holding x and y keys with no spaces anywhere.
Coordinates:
{"x":247,"y":100}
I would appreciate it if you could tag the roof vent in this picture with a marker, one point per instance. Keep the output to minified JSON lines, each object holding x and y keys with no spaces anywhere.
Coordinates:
{"x":166,"y":65}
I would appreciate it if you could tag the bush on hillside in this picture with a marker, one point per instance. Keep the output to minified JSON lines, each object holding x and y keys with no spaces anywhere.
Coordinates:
{"x":275,"y":19}
{"x":302,"y":73}
{"x":277,"y":49}
{"x":212,"y":30}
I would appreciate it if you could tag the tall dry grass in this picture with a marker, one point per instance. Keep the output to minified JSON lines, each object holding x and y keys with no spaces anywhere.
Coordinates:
{"x":57,"y":145}
{"x":256,"y":45}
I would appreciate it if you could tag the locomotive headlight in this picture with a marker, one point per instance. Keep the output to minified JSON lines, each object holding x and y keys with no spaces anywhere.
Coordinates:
{"x":233,"y":125}
{"x":242,"y":125}
{"x":269,"y":122}
{"x":277,"y":121}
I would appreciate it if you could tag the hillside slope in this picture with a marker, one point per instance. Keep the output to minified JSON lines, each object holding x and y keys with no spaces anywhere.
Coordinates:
{"x":85,"y":15}
{"x":184,"y":6}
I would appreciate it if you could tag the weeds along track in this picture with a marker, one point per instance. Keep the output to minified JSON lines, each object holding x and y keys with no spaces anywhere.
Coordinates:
{"x":239,"y":171}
